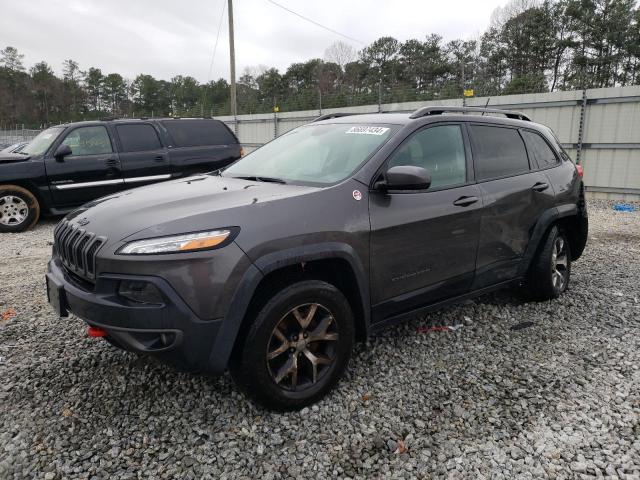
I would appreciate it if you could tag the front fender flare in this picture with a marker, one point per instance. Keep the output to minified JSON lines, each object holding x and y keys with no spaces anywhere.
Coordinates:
{"x":225,"y":341}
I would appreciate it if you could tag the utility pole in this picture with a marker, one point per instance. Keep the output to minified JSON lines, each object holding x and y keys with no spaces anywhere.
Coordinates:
{"x":379,"y":89}
{"x":464,"y":99}
{"x":232,"y":54}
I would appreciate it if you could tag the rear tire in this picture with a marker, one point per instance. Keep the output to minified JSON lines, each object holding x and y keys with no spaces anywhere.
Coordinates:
{"x":550,"y":271}
{"x":297,"y":347}
{"x":19,"y":209}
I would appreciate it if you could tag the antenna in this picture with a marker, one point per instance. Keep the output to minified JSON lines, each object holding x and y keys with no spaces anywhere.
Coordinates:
{"x":485,"y":106}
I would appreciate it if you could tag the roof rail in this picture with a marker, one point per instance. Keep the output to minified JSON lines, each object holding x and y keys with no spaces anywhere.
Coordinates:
{"x":425,"y":111}
{"x":333,"y":115}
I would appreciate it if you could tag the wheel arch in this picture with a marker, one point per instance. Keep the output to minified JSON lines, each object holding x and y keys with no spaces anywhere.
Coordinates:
{"x":32,"y":188}
{"x":572,"y":220}
{"x":335,"y":263}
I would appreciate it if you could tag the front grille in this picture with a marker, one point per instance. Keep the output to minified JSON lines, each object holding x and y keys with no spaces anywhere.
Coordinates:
{"x":77,"y":249}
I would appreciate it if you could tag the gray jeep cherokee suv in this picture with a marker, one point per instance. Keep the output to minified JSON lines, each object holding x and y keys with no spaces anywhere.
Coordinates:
{"x":276,"y":265}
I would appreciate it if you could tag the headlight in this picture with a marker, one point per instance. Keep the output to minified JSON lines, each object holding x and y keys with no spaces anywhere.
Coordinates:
{"x":189,"y":242}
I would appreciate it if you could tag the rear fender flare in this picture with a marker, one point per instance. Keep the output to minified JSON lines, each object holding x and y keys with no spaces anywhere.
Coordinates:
{"x":548,"y":218}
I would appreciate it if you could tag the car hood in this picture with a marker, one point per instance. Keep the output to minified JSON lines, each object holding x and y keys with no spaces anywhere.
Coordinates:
{"x":186,"y":205}
{"x":13,"y":157}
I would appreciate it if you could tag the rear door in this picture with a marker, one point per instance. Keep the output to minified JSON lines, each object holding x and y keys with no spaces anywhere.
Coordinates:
{"x":144,"y":158}
{"x":91,"y":171}
{"x":514,"y":197}
{"x":200,"y":145}
{"x":424,"y":243}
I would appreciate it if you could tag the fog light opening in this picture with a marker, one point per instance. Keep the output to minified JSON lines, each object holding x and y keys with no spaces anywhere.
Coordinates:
{"x":167,"y":339}
{"x":140,"y":292}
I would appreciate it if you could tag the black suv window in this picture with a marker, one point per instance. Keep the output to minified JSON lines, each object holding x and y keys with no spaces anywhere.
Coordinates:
{"x":88,"y":141}
{"x":497,"y":152}
{"x":539,"y":150}
{"x":192,"y":133}
{"x":439,"y":150}
{"x":138,"y":137}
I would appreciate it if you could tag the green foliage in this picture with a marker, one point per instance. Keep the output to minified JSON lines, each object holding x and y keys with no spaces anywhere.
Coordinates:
{"x":530,"y":46}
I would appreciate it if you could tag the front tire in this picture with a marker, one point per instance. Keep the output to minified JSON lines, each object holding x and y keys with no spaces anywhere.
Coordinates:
{"x":551,"y":268}
{"x":297,"y":348}
{"x":19,"y":209}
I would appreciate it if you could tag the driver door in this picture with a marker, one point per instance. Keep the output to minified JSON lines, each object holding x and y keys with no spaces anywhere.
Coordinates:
{"x":91,"y":171}
{"x":424,"y":243}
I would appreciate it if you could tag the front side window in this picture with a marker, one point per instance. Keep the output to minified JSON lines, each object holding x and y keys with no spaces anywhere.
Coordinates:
{"x":539,"y":150}
{"x":319,"y":154}
{"x":440,"y":151}
{"x":88,"y":141}
{"x":497,"y":152}
{"x":138,"y":137}
{"x":41,"y":143}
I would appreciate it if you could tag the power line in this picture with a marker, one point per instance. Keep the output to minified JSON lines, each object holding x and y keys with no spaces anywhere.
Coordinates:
{"x":316,"y":23}
{"x":215,"y":47}
{"x":213,"y":56}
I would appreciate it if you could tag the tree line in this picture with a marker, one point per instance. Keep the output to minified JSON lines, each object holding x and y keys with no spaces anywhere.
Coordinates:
{"x":529,"y":46}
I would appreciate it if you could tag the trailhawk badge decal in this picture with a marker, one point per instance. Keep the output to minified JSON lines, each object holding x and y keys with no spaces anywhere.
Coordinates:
{"x":357,"y":195}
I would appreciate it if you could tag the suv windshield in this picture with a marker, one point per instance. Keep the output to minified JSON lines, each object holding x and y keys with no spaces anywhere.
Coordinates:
{"x":318,"y":154}
{"x":42,"y":142}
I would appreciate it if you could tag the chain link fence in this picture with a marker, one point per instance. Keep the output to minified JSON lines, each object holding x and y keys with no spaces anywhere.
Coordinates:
{"x":17,"y":134}
{"x":343,"y":95}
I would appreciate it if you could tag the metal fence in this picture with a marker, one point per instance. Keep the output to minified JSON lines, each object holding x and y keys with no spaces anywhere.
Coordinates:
{"x":599,"y":128}
{"x":16,"y":135}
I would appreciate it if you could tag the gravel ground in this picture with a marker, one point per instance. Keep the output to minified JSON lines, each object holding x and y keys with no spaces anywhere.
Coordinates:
{"x":559,"y":398}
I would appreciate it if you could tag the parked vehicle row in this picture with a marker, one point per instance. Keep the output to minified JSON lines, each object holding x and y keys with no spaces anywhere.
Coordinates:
{"x":274,"y":266}
{"x":69,"y":165}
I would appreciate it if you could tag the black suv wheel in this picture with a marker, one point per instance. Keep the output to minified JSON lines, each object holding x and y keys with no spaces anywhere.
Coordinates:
{"x":297,"y":347}
{"x":19,"y":208}
{"x":551,"y":268}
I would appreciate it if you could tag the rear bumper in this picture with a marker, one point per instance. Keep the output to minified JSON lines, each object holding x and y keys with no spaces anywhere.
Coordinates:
{"x":171,"y":331}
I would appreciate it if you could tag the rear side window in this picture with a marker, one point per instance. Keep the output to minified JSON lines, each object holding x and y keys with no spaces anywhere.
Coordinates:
{"x":439,"y":150}
{"x":138,"y":137}
{"x":539,"y":150}
{"x":193,"y":133}
{"x":497,"y":152}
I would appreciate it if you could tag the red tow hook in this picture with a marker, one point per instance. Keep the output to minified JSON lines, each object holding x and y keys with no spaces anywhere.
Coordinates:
{"x":96,"y":332}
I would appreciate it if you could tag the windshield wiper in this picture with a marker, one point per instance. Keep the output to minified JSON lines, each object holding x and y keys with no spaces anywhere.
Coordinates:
{"x":263,"y":179}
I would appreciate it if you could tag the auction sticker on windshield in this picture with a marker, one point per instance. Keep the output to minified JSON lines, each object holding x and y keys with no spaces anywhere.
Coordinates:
{"x":366,"y":130}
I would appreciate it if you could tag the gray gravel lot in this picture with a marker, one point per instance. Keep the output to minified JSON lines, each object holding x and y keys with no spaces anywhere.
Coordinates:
{"x":558,"y":399}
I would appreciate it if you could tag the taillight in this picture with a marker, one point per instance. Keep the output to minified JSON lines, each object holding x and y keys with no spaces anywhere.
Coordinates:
{"x":580,"y":170}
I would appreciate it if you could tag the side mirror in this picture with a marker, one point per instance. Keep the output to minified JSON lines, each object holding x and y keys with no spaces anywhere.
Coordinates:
{"x":405,"y":177}
{"x":61,"y":152}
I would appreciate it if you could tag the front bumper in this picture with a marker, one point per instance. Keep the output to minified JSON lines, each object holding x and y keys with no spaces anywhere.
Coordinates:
{"x":171,"y":331}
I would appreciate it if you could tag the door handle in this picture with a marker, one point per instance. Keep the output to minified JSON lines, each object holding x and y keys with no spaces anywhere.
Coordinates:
{"x":540,"y":186}
{"x":158,"y":158}
{"x":465,"y":201}
{"x":111,"y":162}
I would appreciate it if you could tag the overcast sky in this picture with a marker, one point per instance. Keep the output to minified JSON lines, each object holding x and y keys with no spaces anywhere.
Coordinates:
{"x":167,"y":37}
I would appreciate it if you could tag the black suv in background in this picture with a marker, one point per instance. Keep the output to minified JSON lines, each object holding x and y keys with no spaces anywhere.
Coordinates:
{"x":68,"y":165}
{"x":274,"y":266}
